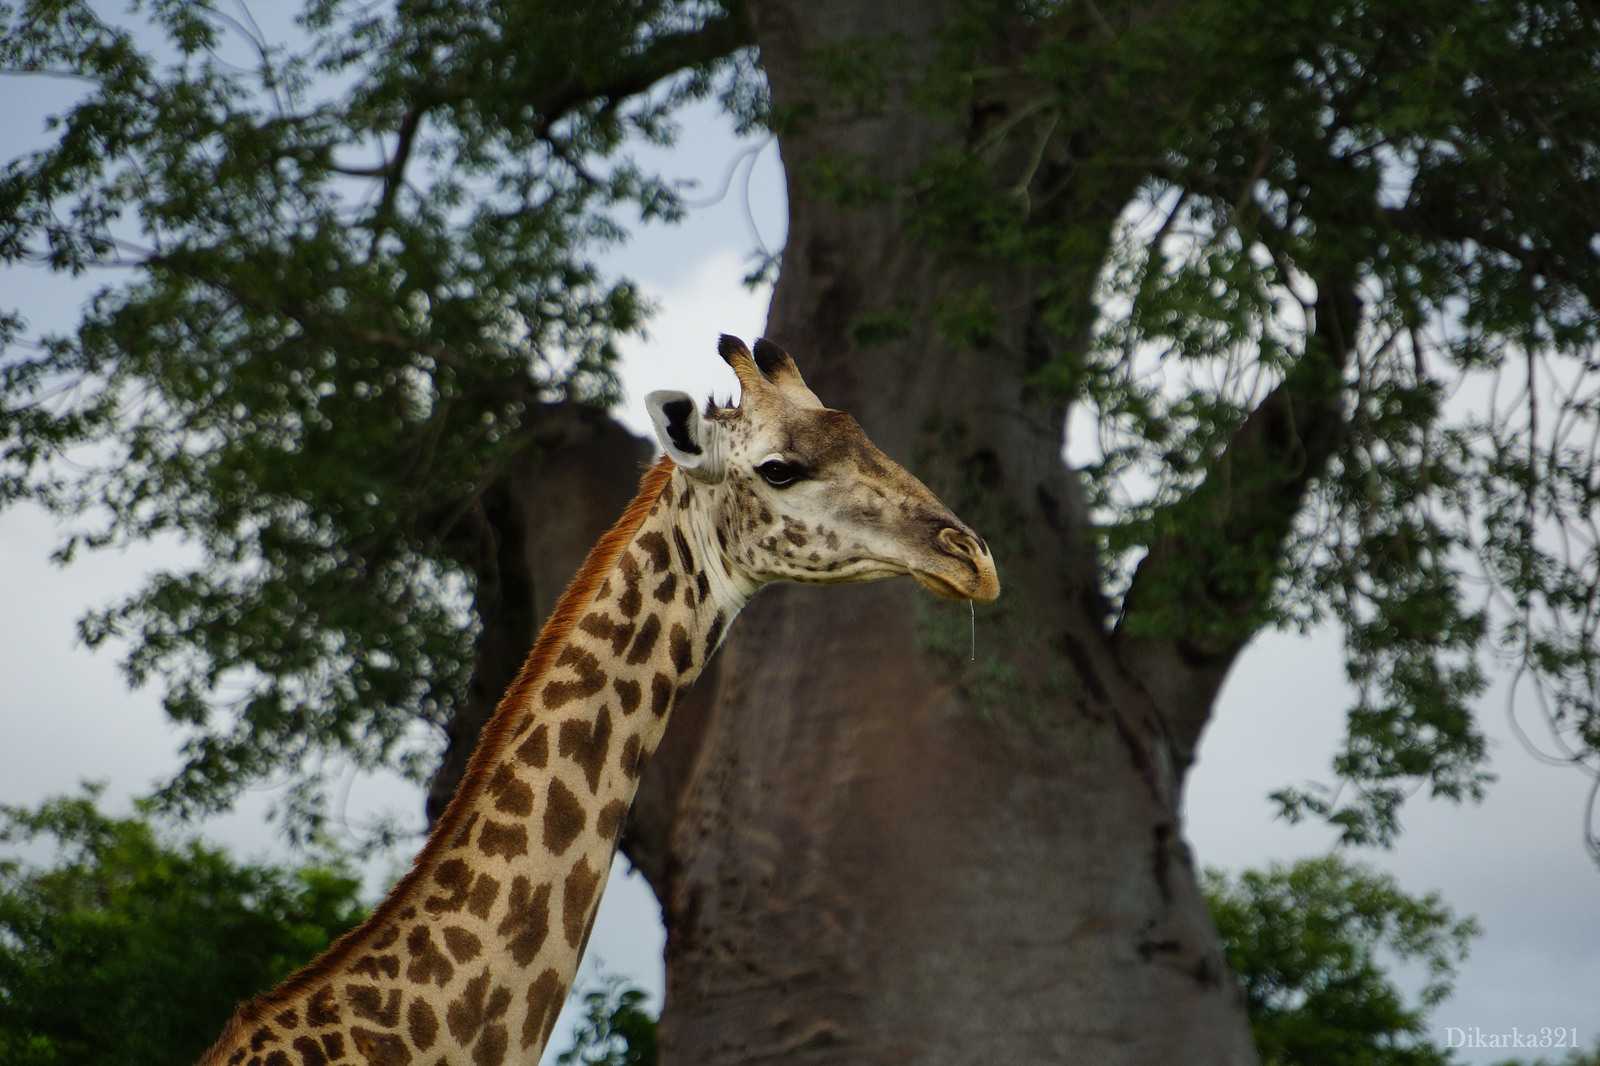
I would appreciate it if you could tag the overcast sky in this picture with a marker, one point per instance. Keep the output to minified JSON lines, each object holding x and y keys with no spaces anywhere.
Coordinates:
{"x":1516,"y":860}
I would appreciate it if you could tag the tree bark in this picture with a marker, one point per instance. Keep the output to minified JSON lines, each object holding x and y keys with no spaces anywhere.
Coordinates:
{"x":886,"y":853}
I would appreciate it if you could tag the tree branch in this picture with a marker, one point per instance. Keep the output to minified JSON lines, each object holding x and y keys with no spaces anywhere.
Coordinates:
{"x":663,"y":57}
{"x":1202,"y":590}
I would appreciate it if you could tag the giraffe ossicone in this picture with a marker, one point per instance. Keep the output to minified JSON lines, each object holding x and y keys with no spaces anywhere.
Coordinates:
{"x":470,"y":957}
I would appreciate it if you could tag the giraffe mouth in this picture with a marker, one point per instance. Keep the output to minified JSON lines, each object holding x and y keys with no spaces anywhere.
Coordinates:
{"x":984,"y":588}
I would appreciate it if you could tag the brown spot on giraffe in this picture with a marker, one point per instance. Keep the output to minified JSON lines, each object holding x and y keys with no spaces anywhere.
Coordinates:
{"x":490,"y":1050}
{"x":609,"y":821}
{"x":660,"y":695}
{"x":374,"y":1005}
{"x":512,"y":795}
{"x":630,"y":762}
{"x":685,"y":556}
{"x":645,"y":642}
{"x":475,"y":1008}
{"x":535,"y":751}
{"x":577,"y":892}
{"x":498,"y":838}
{"x":462,"y":944}
{"x":465,"y":1016}
{"x":628,"y":692}
{"x":655,"y":546}
{"x":682,"y":650}
{"x":527,"y":920}
{"x":630,"y":601}
{"x":484,"y":892}
{"x":667,"y":589}
{"x":602,"y":626}
{"x":463,"y":834}
{"x":428,"y":963}
{"x":380,"y":1049}
{"x":377,"y":966}
{"x":714,"y":633}
{"x":564,"y":817}
{"x":310,"y":1051}
{"x":591,"y":678}
{"x":321,"y":1010}
{"x":422,"y":1024}
{"x":544,"y":1004}
{"x":586,"y":744}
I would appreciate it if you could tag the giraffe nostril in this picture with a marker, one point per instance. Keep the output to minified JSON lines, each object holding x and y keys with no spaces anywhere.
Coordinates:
{"x":959,"y":543}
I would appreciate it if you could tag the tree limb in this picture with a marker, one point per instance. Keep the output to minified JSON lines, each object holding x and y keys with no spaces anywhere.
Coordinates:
{"x":1202,"y":589}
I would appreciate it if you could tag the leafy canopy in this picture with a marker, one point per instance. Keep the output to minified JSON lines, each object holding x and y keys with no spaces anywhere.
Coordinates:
{"x":131,"y":949}
{"x":615,"y":1030}
{"x":1326,"y":279}
{"x":361,"y":262}
{"x":1321,"y":277}
{"x":1305,"y":942}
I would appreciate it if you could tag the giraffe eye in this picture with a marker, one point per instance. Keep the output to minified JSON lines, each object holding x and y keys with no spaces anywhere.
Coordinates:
{"x":777,"y":473}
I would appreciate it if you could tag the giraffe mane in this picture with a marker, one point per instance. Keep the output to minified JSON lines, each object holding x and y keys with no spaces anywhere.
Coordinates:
{"x":491,"y":746}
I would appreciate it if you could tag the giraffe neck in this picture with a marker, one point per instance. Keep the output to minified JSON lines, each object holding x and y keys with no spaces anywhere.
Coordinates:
{"x":471,"y":957}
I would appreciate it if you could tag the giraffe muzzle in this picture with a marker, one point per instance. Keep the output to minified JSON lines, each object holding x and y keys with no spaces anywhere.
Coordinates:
{"x":966,"y":570}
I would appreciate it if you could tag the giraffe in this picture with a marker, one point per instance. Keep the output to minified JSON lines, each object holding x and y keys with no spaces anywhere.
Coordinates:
{"x":470,"y":957}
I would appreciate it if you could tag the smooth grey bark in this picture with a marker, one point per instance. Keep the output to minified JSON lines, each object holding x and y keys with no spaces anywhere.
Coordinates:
{"x":876,"y":858}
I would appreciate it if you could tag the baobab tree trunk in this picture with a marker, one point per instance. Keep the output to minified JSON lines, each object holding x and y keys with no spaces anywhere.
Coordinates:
{"x":884,"y":852}
{"x":870,"y":847}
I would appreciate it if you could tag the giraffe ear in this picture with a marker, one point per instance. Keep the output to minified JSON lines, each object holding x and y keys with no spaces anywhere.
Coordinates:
{"x":685,"y":436}
{"x":775,"y":364}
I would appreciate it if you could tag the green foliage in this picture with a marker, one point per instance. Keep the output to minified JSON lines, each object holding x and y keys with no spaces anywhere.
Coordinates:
{"x":358,"y":269}
{"x":616,"y":1030}
{"x":1319,"y":275}
{"x":134,"y":949}
{"x":1304,"y":941}
{"x":1326,"y":282}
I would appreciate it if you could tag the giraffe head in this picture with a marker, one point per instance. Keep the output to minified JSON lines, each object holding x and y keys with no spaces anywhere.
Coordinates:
{"x":798,"y":492}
